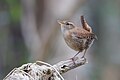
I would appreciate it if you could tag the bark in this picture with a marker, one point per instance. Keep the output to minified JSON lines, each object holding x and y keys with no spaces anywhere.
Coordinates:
{"x":44,"y":71}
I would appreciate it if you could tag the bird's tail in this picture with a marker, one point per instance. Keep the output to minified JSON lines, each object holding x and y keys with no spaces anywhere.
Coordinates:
{"x":85,"y":24}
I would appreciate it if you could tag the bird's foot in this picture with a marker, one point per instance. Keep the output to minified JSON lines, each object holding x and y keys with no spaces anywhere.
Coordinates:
{"x":74,"y":59}
{"x":83,"y":56}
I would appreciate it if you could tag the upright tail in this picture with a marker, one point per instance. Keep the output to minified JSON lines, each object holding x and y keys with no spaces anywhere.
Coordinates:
{"x":83,"y":21}
{"x":85,"y":25}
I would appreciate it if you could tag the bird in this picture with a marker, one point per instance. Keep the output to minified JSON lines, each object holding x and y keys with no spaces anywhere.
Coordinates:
{"x":77,"y":38}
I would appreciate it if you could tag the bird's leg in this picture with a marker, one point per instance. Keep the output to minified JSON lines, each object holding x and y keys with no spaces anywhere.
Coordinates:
{"x":84,"y":54}
{"x":73,"y":58}
{"x":76,"y":54}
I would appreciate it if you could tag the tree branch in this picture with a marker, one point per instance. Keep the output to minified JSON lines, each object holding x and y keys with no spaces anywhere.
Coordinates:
{"x":44,"y":71}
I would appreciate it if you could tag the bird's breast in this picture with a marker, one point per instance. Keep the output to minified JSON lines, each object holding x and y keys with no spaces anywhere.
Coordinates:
{"x":75,"y":44}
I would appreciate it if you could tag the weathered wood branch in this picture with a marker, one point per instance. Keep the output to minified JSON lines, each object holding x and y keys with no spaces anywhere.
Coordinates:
{"x":44,"y":71}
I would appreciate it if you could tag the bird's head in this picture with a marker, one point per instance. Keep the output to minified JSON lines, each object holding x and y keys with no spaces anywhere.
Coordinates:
{"x":66,"y":25}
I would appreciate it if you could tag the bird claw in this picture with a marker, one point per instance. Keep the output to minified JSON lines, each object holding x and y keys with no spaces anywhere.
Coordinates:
{"x":83,"y":57}
{"x":74,"y":59}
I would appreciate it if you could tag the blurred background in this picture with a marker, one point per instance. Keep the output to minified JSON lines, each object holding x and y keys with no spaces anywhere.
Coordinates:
{"x":29,"y":31}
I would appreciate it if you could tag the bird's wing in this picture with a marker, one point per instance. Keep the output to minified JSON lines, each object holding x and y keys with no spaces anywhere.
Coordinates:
{"x":82,"y":34}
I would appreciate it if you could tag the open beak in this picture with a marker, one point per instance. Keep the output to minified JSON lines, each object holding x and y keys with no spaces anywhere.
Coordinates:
{"x":60,"y":22}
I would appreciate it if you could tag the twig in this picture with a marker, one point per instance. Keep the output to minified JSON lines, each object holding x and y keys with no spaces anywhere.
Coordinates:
{"x":69,"y":64}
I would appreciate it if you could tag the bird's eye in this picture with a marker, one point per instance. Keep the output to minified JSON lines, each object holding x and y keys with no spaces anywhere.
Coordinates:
{"x":67,"y":23}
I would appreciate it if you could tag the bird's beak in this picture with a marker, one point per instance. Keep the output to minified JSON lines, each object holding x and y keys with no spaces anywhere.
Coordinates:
{"x":60,"y":22}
